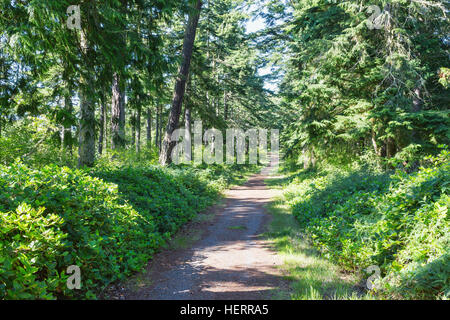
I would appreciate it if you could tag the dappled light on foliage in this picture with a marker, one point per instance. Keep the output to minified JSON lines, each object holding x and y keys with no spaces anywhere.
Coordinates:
{"x":398,"y":222}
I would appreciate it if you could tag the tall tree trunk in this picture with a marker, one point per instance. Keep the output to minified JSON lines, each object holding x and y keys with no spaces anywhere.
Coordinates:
{"x":225,"y":105}
{"x":118,"y":113}
{"x":86,"y":150}
{"x":216,"y":98}
{"x":160,"y":133}
{"x":101,"y":135}
{"x":138,"y":128}
{"x":390,"y":148}
{"x":149,"y":128}
{"x":133,"y":128}
{"x":67,"y":128}
{"x":186,"y":100}
{"x":105,"y":127}
{"x":187,"y":119}
{"x":157,"y":127}
{"x":313,"y":158}
{"x":187,"y":124}
{"x":180,"y":85}
{"x":183,"y":115}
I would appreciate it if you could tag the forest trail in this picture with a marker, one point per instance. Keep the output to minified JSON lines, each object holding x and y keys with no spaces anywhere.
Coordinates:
{"x":230,"y":261}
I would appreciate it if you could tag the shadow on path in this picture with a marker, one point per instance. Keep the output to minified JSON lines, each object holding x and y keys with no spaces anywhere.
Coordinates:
{"x":230,"y":261}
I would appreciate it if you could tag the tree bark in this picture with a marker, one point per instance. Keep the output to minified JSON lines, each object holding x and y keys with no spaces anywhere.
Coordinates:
{"x":86,"y":150}
{"x":225,"y":105}
{"x":67,"y":133}
{"x":390,"y":148}
{"x":138,"y":129}
{"x":106,"y":127}
{"x":102,"y":126}
{"x":186,"y":100}
{"x":313,"y":158}
{"x":133,"y":129}
{"x":187,"y":124}
{"x":160,"y":126}
{"x":187,"y":119}
{"x":180,"y":85}
{"x":149,"y":128}
{"x":118,"y":113}
{"x":157,"y":127}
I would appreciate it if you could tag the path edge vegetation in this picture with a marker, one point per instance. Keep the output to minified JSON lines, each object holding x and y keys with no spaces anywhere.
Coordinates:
{"x":352,"y":219}
{"x":310,"y":275}
{"x":109,"y":220}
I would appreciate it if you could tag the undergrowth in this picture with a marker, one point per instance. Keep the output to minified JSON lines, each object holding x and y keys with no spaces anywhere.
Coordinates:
{"x":396,"y":221}
{"x":108,"y":220}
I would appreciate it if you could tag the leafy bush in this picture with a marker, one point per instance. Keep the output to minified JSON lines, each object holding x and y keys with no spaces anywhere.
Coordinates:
{"x":35,"y":140}
{"x":398,"y":222}
{"x":29,"y":245}
{"x":97,"y":231}
{"x":108,"y":221}
{"x":160,"y":195}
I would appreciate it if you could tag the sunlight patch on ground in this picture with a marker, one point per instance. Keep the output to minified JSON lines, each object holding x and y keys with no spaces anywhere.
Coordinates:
{"x":236,"y":286}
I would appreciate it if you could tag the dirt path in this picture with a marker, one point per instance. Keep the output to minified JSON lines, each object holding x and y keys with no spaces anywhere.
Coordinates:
{"x":230,"y":261}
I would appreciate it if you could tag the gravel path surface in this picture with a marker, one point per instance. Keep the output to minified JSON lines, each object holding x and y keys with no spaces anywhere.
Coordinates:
{"x":230,"y":261}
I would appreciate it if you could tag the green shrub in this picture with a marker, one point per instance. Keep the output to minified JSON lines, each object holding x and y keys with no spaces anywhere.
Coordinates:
{"x":108,"y":221}
{"x":97,"y":231}
{"x":398,"y":222}
{"x":160,"y":195}
{"x":35,"y":140}
{"x":29,"y":247}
